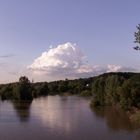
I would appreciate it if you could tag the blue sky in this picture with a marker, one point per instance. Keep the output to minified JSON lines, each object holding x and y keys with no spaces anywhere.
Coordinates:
{"x":102,"y":29}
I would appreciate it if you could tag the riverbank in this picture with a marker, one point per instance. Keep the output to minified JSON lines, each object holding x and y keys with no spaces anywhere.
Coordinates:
{"x":120,"y":88}
{"x":134,"y":115}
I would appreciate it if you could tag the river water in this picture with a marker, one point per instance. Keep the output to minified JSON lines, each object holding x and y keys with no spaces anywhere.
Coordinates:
{"x":63,"y":118}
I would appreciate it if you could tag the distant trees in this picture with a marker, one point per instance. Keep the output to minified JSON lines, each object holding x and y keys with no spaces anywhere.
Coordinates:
{"x":63,"y":86}
{"x":99,"y":91}
{"x":24,"y":89}
{"x":39,"y":89}
{"x":107,"y":89}
{"x":112,"y":85}
{"x":6,"y":91}
{"x":21,"y":90}
{"x":130,"y":93}
{"x":117,"y":88}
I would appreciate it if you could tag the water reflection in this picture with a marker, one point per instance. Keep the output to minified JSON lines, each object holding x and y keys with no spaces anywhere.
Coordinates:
{"x":52,"y":113}
{"x":115,"y":118}
{"x":65,"y":118}
{"x":22,"y":109}
{"x":60,"y":114}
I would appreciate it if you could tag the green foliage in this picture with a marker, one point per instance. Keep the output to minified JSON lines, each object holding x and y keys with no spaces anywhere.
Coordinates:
{"x":40,"y":89}
{"x":24,"y":89}
{"x":95,"y":102}
{"x":137,"y":34}
{"x":137,"y":38}
{"x":63,"y":86}
{"x":15,"y":91}
{"x":53,"y":88}
{"x":6,"y":92}
{"x":112,"y":83}
{"x":117,"y":88}
{"x":130,"y":92}
{"x":98,"y":87}
{"x":86,"y":93}
{"x":136,"y":117}
{"x":107,"y":89}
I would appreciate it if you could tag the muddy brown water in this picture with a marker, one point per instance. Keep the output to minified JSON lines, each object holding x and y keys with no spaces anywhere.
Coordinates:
{"x":63,"y":118}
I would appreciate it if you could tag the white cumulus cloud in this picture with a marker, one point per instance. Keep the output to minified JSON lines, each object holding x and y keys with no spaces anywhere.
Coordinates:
{"x":118,"y":68}
{"x":65,"y":60}
{"x":114,"y":68}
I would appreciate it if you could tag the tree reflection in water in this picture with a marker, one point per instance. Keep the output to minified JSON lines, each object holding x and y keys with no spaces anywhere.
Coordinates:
{"x":22,"y":109}
{"x":115,"y":118}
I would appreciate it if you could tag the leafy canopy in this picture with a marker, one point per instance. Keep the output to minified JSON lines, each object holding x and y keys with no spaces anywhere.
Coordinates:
{"x":137,"y":38}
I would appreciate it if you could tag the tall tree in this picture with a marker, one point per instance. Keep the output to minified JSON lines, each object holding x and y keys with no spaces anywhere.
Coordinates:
{"x":137,"y":38}
{"x":24,"y":88}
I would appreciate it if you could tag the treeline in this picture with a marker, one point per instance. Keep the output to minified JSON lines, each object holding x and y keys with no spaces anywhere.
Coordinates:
{"x":21,"y":90}
{"x":117,"y":88}
{"x":107,"y":89}
{"x":25,"y":90}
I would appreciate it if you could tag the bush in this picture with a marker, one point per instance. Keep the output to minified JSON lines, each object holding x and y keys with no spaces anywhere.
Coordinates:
{"x":95,"y":103}
{"x":86,"y":93}
{"x":136,"y":117}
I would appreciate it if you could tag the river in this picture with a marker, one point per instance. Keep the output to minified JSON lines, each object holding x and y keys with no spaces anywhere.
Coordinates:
{"x":63,"y":118}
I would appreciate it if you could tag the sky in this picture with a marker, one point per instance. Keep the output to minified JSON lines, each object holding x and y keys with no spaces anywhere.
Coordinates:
{"x":49,"y":40}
